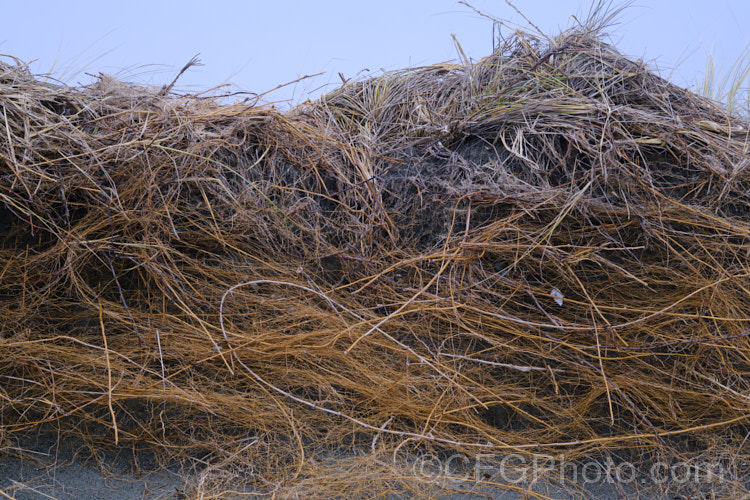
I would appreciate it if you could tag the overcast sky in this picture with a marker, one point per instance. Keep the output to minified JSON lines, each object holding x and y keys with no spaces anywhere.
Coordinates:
{"x":257,"y":45}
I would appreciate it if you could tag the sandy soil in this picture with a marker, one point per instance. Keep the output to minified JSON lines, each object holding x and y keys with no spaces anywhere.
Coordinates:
{"x":48,"y":470}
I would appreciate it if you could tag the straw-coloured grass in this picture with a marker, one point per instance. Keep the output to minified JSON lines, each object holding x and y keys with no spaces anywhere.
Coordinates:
{"x":542,"y":253}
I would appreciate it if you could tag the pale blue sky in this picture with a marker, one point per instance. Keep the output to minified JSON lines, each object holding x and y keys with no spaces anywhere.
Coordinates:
{"x":256,"y":45}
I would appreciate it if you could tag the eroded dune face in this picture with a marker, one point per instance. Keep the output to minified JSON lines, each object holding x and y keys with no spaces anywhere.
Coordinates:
{"x":543,"y":253}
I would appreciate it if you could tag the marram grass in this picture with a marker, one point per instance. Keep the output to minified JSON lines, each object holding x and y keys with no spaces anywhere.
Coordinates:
{"x":543,"y":253}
